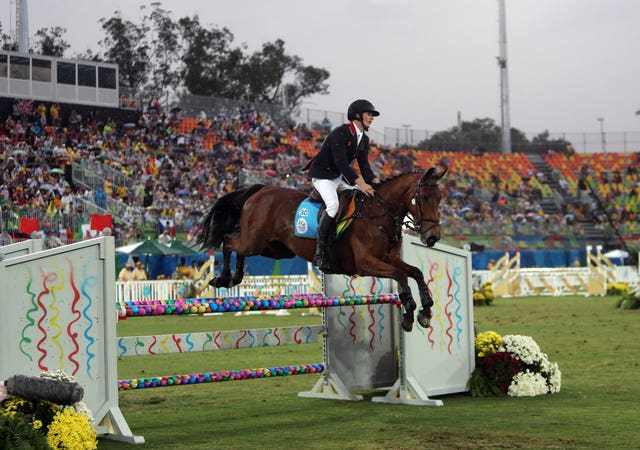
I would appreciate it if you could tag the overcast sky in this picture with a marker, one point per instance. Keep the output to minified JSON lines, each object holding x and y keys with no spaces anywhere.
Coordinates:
{"x":422,"y":61}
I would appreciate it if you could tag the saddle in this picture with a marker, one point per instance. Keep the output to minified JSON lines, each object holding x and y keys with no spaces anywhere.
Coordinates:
{"x":310,"y":209}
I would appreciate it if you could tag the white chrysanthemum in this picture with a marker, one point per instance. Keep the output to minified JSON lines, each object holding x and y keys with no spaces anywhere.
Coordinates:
{"x":523,"y":348}
{"x":554,"y":377}
{"x":59,"y":375}
{"x":83,"y":409}
{"x":527,"y":384}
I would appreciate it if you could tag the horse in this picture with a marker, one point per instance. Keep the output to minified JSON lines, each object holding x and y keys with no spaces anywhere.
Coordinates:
{"x":259,"y":220}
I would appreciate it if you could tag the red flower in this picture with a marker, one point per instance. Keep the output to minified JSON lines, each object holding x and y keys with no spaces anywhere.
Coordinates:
{"x":500,"y":368}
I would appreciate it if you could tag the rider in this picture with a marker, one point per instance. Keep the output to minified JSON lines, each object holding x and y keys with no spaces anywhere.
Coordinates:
{"x":331,"y":168}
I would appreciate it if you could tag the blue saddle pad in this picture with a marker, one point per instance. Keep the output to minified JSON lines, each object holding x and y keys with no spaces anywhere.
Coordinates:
{"x":306,"y":219}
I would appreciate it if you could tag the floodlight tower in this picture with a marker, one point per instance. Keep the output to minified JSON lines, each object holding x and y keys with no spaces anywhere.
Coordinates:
{"x":504,"y":81}
{"x":22,"y":26}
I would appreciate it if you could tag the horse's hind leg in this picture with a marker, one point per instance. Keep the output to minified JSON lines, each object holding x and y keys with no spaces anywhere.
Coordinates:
{"x":238,"y":273}
{"x":424,"y":315}
{"x":224,"y":279}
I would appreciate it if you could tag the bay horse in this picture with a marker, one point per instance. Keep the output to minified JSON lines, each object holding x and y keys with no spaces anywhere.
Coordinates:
{"x":259,"y":220}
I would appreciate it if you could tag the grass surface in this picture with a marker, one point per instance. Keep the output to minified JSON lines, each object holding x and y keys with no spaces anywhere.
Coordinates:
{"x":595,"y":344}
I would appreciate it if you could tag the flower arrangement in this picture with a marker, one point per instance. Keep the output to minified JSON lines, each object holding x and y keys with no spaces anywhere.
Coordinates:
{"x":618,"y":288}
{"x":512,"y":365}
{"x":629,"y":300}
{"x":42,"y":424}
{"x":483,"y":294}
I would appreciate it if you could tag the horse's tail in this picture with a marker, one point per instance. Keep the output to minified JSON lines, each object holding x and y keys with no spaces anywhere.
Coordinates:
{"x":224,"y":216}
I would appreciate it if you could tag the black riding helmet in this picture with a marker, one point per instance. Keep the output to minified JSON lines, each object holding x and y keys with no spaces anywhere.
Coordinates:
{"x":361,"y":106}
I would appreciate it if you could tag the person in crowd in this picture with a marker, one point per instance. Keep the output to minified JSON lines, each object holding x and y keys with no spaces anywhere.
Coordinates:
{"x":139,"y":274}
{"x":126,"y":273}
{"x":331,"y":169}
{"x":193,"y":270}
{"x":165,"y":237}
{"x":182,"y":271}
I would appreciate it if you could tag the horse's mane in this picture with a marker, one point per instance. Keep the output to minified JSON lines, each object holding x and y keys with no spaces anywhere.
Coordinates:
{"x":386,"y":180}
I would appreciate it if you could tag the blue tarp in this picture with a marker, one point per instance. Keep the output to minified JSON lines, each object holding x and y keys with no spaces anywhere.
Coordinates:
{"x":532,"y":258}
{"x":253,"y":265}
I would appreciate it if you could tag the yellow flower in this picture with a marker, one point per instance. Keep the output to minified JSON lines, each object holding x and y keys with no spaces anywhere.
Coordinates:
{"x":71,"y":431}
{"x":487,"y":343}
{"x":37,"y":424}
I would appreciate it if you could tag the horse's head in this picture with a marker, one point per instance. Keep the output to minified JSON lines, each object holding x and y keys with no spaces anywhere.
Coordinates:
{"x":425,"y":207}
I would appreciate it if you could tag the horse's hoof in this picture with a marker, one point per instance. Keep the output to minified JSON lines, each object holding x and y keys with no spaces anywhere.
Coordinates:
{"x":424,"y":319}
{"x":407,"y":325}
{"x":217,"y":282}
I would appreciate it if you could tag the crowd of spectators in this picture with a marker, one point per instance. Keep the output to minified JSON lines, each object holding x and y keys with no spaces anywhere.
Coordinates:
{"x":174,"y":173}
{"x":177,"y":174}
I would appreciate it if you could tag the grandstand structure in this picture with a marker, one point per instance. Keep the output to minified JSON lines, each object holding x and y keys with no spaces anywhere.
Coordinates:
{"x":170,"y":163}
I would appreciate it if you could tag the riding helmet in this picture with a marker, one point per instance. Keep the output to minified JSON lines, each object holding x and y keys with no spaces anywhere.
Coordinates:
{"x":361,"y":106}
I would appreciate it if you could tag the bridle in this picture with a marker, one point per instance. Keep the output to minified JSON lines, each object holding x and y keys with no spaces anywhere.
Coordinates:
{"x":388,"y":210}
{"x":415,"y":224}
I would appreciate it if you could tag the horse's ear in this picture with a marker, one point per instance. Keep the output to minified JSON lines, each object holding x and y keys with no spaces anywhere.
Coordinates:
{"x":444,"y":171}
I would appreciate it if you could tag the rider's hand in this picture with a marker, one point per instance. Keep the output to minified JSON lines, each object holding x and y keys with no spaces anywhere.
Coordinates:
{"x":366,"y":188}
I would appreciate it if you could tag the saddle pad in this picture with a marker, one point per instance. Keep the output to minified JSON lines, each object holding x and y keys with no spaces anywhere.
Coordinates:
{"x":306,"y":219}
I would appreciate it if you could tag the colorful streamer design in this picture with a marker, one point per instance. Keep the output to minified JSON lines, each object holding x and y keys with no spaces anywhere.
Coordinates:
{"x":89,"y":282}
{"x":40,"y":345}
{"x":76,"y":317}
{"x":31,"y":322}
{"x":457,"y":273}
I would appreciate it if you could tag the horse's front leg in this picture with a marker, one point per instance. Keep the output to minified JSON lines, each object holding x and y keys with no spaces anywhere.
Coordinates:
{"x":382,"y":269}
{"x":424,"y":315}
{"x":408,"y":304}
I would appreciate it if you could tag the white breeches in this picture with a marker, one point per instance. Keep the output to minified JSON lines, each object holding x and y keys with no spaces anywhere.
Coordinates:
{"x":328,"y":190}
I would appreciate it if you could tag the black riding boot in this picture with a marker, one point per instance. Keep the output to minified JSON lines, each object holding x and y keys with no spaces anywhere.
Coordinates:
{"x":326,"y":228}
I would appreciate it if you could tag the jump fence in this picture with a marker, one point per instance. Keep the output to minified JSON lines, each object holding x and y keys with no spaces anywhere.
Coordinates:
{"x":61,"y":316}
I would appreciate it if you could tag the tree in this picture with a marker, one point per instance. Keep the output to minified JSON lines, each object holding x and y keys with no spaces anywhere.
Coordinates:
{"x":481,"y":134}
{"x":126,"y":45}
{"x":88,"y":55}
{"x":273,"y":76}
{"x":210,"y":65}
{"x":214,"y":67}
{"x":6,"y":42}
{"x":478,"y":135}
{"x":265,"y":71}
{"x":309,"y":80}
{"x":164,"y":45}
{"x":543,"y":142}
{"x":163,"y":57}
{"x":49,"y":41}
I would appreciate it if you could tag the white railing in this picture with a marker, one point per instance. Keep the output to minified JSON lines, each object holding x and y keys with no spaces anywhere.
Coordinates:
{"x":127,"y":291}
{"x":266,"y":285}
{"x":562,"y":280}
{"x":251,"y":285}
